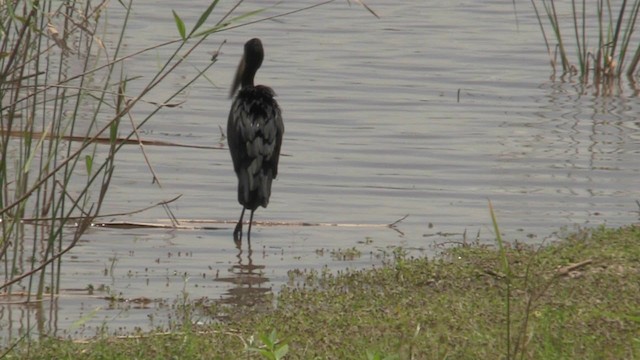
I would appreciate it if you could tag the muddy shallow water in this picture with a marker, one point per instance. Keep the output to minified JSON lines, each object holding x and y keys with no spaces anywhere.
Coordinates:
{"x":410,"y":114}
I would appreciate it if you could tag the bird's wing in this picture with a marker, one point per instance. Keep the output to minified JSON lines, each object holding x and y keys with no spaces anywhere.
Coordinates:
{"x":254,"y":132}
{"x":234,"y":135}
{"x":279,"y":125}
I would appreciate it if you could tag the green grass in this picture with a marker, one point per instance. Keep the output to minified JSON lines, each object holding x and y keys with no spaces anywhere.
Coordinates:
{"x":451,"y":307}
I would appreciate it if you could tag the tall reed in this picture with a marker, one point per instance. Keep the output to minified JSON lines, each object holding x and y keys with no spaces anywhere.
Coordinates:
{"x":58,"y":81}
{"x":600,"y":34}
{"x":40,"y":103}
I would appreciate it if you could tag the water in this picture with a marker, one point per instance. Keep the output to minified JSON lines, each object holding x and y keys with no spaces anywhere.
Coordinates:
{"x":412,"y":114}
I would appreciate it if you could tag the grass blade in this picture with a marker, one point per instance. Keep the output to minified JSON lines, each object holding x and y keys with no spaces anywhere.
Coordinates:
{"x":229,"y":22}
{"x":204,"y":17}
{"x":180,"y":24}
{"x":507,"y":272}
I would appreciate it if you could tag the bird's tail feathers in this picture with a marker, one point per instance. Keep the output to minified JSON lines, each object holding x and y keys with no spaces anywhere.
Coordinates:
{"x":254,"y":188}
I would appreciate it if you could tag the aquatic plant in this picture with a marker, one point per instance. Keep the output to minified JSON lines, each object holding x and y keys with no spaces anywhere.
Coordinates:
{"x":64,"y":95}
{"x":42,"y":180}
{"x":600,"y":35}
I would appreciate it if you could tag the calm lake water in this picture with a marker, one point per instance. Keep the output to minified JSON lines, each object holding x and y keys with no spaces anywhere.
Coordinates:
{"x":429,"y":111}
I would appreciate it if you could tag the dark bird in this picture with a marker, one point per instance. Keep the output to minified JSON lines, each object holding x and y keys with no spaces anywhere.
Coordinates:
{"x":254,"y":133}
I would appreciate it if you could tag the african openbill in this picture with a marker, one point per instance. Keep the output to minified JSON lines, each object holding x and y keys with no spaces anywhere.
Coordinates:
{"x":254,"y":133}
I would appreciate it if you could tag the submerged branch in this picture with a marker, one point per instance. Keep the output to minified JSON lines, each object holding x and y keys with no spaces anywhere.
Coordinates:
{"x":107,"y":141}
{"x":195,"y":224}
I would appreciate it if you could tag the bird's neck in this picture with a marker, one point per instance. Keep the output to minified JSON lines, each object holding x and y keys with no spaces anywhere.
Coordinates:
{"x":247,"y":78}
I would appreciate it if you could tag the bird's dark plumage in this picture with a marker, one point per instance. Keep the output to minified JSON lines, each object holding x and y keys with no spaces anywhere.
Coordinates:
{"x":254,"y":133}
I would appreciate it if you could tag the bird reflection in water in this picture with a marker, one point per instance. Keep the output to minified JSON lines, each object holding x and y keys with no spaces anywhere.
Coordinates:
{"x":248,"y":282}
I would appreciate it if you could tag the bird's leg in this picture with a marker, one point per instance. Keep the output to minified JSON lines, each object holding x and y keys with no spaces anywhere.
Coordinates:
{"x":237,"y":233}
{"x":249,"y":232}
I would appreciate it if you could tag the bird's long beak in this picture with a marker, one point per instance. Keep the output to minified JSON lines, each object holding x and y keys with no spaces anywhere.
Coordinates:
{"x":238,"y":78}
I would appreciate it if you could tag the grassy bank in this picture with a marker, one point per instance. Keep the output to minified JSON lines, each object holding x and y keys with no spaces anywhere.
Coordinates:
{"x":574,"y":299}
